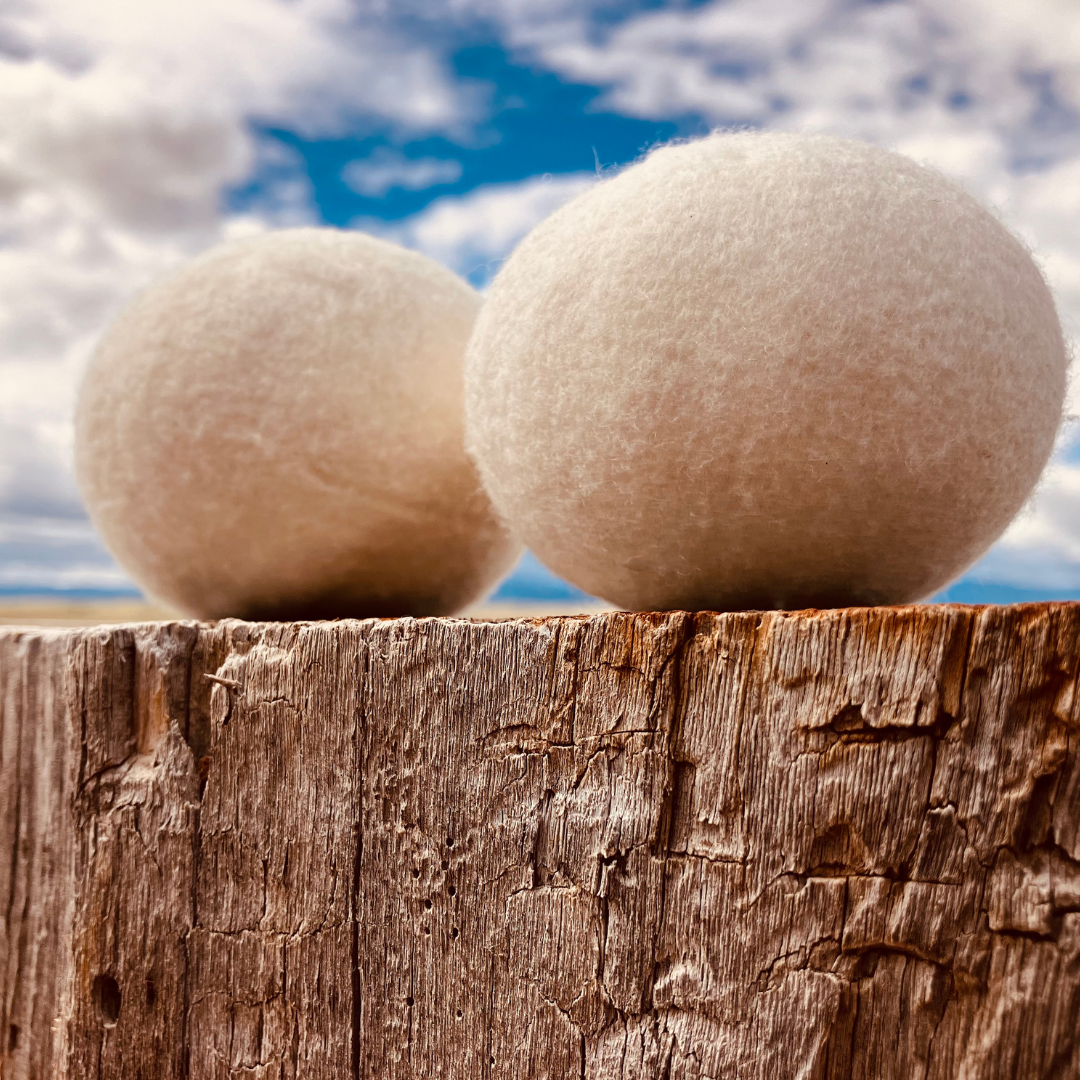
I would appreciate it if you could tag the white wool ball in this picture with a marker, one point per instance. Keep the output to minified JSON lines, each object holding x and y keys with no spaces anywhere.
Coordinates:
{"x":276,"y":432}
{"x":765,"y":370}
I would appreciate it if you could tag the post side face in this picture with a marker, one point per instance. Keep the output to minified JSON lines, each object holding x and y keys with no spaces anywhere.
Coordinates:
{"x":38,"y":763}
{"x":822,"y":844}
{"x":276,"y":941}
{"x":134,"y":814}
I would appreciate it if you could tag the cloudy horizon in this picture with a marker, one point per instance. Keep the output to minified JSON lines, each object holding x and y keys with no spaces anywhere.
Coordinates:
{"x":135,"y":135}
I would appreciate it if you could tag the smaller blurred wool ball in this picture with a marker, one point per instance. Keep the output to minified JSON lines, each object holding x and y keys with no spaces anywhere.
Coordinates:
{"x":275,"y":431}
{"x":765,"y":370}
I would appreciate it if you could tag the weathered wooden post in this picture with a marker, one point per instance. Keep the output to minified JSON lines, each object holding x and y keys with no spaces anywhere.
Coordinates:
{"x":819,"y":845}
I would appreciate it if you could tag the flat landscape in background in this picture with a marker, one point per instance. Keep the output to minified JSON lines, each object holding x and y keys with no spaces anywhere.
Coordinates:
{"x":33,"y":611}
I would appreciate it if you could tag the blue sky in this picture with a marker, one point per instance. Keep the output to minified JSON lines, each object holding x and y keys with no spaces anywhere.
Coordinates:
{"x":537,"y":124}
{"x":135,"y":134}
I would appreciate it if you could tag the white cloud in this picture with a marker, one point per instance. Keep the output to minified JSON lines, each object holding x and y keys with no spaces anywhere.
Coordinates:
{"x":870,"y":67}
{"x":1041,"y":549}
{"x":473,"y":233}
{"x":56,"y":553}
{"x":384,"y":169}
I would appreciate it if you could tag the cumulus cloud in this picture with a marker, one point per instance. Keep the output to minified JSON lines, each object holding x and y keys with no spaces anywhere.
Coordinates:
{"x":872,"y":69}
{"x":61,"y":554}
{"x":473,"y":233}
{"x":136,"y":115}
{"x":384,"y":169}
{"x":1041,"y":549}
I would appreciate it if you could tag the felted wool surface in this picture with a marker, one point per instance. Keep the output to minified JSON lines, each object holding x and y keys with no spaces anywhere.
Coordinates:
{"x":765,"y":371}
{"x":276,"y":431}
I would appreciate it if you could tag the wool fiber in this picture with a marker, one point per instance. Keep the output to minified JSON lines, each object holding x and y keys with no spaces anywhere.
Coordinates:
{"x":765,"y":371}
{"x":276,"y":431}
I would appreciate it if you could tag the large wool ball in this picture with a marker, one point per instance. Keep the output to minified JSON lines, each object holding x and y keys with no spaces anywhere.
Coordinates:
{"x":765,"y":370}
{"x":276,"y":431}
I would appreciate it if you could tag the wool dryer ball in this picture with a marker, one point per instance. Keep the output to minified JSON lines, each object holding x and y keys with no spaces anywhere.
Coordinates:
{"x":765,"y":370}
{"x":276,"y":431}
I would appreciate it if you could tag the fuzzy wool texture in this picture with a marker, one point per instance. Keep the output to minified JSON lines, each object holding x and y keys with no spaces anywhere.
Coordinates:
{"x":765,"y":371}
{"x":276,"y":431}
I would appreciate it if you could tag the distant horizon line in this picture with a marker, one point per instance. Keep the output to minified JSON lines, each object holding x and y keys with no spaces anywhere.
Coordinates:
{"x":961,"y":592}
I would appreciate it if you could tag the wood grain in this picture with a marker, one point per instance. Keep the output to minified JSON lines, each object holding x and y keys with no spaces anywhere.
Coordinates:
{"x":668,"y":846}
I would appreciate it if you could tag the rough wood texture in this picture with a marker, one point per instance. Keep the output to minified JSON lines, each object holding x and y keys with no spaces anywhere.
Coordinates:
{"x":814,"y":845}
